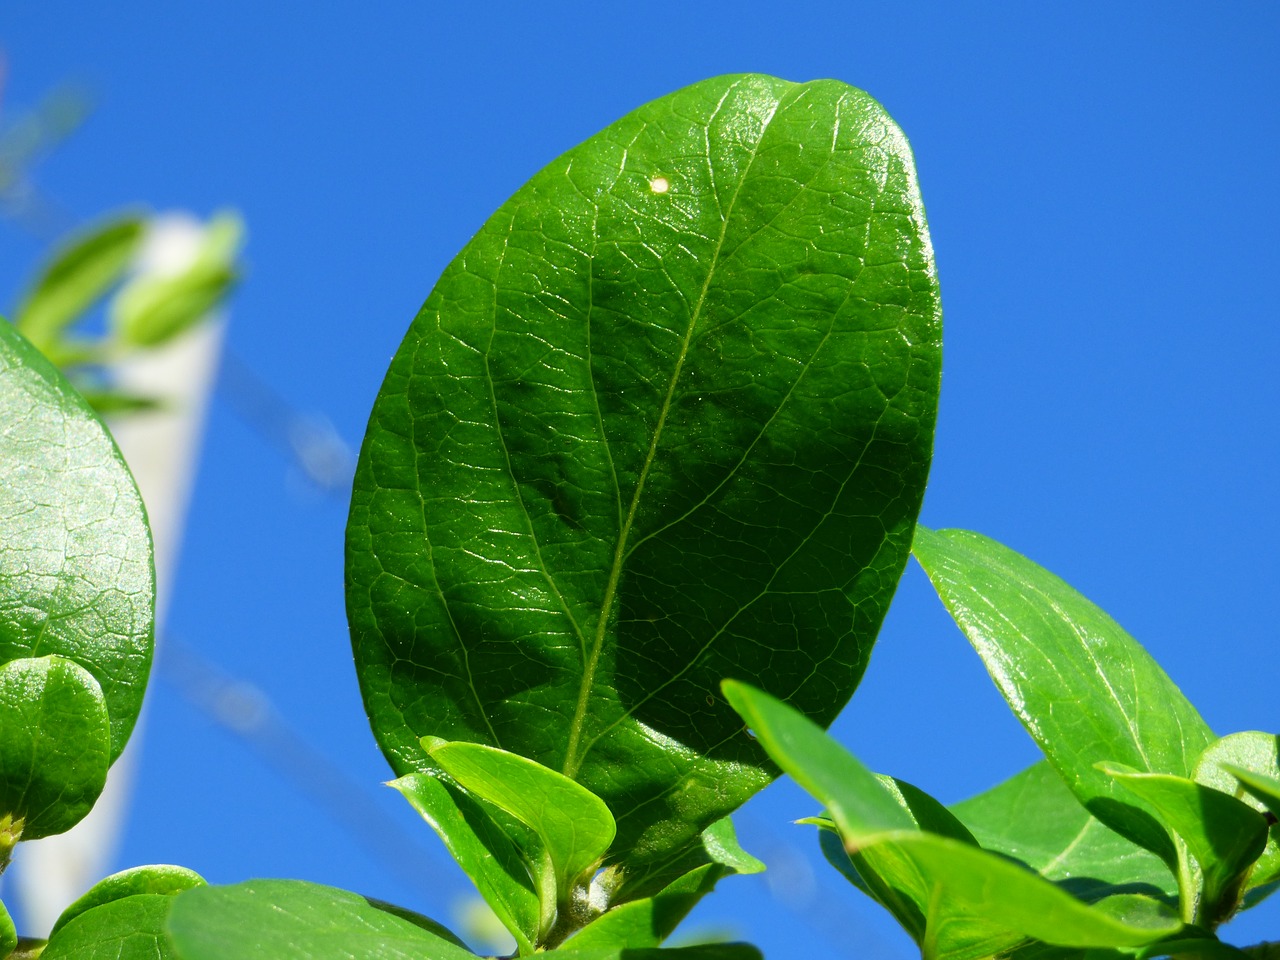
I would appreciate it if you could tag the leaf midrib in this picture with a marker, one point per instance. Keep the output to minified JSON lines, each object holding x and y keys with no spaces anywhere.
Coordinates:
{"x":573,"y":757}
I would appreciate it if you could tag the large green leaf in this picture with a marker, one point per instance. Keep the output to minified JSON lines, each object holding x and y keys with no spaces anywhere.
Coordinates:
{"x":80,"y":273}
{"x":132,"y":928}
{"x":293,"y":920}
{"x":1085,"y":690}
{"x":54,"y":745}
{"x":1033,"y":817}
{"x":667,"y":418}
{"x":971,"y":902}
{"x":8,"y":933}
{"x":75,"y":552}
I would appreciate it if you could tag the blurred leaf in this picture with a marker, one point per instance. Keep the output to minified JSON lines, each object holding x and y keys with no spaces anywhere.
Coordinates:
{"x":75,"y":552}
{"x":1223,"y":834}
{"x":1034,"y":818}
{"x":1085,"y":690}
{"x":709,"y":332}
{"x":108,"y":402}
{"x":574,"y":825}
{"x":489,"y":857}
{"x":55,"y":742}
{"x":81,"y":272}
{"x":132,"y":928}
{"x":153,"y":309}
{"x":8,"y":933}
{"x":966,"y":896}
{"x":293,"y":920}
{"x":159,"y":879}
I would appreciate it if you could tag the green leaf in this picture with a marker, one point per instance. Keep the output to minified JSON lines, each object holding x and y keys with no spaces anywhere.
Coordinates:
{"x":1034,"y":818}
{"x":573,"y":824}
{"x":720,"y":840}
{"x":489,"y":857}
{"x":153,"y":309}
{"x":132,"y":928}
{"x":293,"y":920}
{"x":54,"y":744}
{"x":1223,"y":834}
{"x":1258,"y":753}
{"x":80,"y":273}
{"x":1086,"y":691}
{"x":8,"y":933}
{"x":159,"y":879}
{"x":1264,"y":788}
{"x":965,"y":895}
{"x":667,"y":418}
{"x":75,"y":552}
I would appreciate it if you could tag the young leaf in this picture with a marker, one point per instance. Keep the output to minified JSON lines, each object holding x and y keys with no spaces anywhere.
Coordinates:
{"x":574,"y":825}
{"x":710,"y":331}
{"x":489,"y":857}
{"x":648,"y":921}
{"x":81,"y":272}
{"x":1264,"y":788}
{"x":293,"y":920}
{"x":8,"y":933}
{"x":75,"y":552}
{"x":1223,"y":834}
{"x":1085,"y":690}
{"x":55,"y":742}
{"x":1259,"y":753}
{"x":132,"y":928}
{"x":160,"y":879}
{"x":1033,"y":818}
{"x":966,"y":895}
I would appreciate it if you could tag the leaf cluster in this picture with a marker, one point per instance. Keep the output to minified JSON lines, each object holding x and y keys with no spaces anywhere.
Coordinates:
{"x":663,"y":425}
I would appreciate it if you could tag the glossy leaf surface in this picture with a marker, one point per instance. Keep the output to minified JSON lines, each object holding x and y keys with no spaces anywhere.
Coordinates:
{"x":1084,"y":689}
{"x":489,"y":857}
{"x":966,"y":896}
{"x":666,"y":419}
{"x":1033,"y":817}
{"x":1223,"y":834}
{"x":158,"y":879}
{"x":293,"y":920}
{"x":75,"y":552}
{"x":80,"y":274}
{"x":132,"y":928}
{"x":55,"y":743}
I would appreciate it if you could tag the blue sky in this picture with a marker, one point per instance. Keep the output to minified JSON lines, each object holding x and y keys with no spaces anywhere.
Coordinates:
{"x":1101,"y":188}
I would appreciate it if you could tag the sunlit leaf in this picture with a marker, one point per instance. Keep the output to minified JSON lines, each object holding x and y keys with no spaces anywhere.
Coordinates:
{"x":132,"y":928}
{"x":159,"y":879}
{"x":1258,"y":753}
{"x":966,"y":896}
{"x":574,"y":825}
{"x":1033,"y":818}
{"x":485,"y":852}
{"x":1085,"y":690}
{"x":1223,"y":834}
{"x":293,"y":920}
{"x":55,"y":743}
{"x":76,"y":578}
{"x":666,"y":419}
